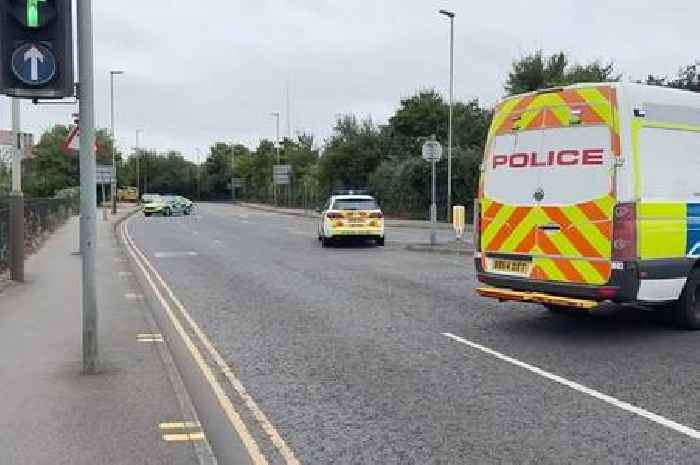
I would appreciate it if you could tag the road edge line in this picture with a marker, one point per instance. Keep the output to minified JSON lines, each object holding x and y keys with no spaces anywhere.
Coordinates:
{"x":259,"y":415}
{"x":621,"y":404}
{"x":233,"y":416}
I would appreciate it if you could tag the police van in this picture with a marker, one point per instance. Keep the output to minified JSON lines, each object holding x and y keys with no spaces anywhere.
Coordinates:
{"x":591,"y":193}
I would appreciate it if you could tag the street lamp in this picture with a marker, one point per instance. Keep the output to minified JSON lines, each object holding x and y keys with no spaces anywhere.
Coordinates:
{"x":114,"y":141}
{"x":276,"y":114}
{"x":450,"y":15}
{"x":199,"y":175}
{"x":138,"y":167}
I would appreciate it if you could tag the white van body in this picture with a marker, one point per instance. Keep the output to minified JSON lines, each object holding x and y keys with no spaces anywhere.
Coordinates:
{"x":591,"y":193}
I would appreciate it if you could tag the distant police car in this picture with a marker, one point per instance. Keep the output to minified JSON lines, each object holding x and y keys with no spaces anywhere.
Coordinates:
{"x":351,"y":216}
{"x":167,"y":205}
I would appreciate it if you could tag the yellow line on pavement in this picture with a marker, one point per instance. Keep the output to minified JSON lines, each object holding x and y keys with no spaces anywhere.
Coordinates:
{"x":234,"y":418}
{"x":179,"y":437}
{"x":179,"y":425}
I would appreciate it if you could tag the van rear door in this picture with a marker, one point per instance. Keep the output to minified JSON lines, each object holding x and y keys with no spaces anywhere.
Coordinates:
{"x":548,"y":191}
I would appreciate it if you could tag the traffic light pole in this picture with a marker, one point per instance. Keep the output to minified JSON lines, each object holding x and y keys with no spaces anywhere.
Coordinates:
{"x":88,"y":189}
{"x":16,"y":201}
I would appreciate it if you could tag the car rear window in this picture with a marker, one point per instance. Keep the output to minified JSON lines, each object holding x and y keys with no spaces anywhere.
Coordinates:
{"x":355,"y":204}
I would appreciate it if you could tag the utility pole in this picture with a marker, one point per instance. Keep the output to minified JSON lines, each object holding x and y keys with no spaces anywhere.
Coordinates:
{"x":114,"y":141}
{"x":88,"y":194}
{"x":16,"y":200}
{"x":450,"y":15}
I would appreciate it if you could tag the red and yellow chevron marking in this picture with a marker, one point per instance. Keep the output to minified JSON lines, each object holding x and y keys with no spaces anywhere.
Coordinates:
{"x":596,"y":104}
{"x":579,"y":252}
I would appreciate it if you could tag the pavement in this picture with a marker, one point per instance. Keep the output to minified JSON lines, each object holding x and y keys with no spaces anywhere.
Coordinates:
{"x":53,"y":414}
{"x":358,"y":354}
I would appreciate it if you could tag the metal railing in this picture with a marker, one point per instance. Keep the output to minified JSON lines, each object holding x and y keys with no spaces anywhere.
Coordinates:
{"x":41,"y":217}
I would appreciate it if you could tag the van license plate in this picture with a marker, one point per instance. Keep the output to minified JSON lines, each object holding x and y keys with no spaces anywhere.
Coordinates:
{"x":511,"y":266}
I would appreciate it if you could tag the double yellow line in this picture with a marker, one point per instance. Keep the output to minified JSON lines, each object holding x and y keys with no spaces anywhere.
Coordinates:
{"x":230,"y":411}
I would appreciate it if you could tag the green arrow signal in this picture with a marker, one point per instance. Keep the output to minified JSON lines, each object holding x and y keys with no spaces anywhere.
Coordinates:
{"x":33,"y":12}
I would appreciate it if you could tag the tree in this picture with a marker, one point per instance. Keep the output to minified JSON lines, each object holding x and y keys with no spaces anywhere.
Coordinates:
{"x":535,"y":71}
{"x":50,"y":169}
{"x":352,"y":153}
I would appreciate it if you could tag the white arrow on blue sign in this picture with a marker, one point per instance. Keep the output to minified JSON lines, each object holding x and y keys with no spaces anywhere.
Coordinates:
{"x":33,"y":64}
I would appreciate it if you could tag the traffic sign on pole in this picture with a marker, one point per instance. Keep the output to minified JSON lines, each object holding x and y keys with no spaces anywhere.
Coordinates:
{"x":33,"y":64}
{"x":36,"y":48}
{"x":432,"y":150}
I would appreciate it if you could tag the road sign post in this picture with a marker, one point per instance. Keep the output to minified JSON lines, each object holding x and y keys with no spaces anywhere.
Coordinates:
{"x":16,"y":201}
{"x":432,"y":152}
{"x":88,"y":188}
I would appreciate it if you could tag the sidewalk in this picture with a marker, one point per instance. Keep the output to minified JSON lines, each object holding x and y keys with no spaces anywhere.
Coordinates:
{"x":51,"y":413}
{"x":392,"y":222}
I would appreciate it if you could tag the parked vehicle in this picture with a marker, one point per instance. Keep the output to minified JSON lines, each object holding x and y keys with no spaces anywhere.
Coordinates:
{"x":590,"y":193}
{"x":351,"y":216}
{"x":128,"y":194}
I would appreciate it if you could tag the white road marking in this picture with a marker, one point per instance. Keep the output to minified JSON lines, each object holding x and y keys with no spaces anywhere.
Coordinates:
{"x":189,"y":253}
{"x":125,"y":273}
{"x":695,"y":434}
{"x":224,"y":401}
{"x":133,"y":296}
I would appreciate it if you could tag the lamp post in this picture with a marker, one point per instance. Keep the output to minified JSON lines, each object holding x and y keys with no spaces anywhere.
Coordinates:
{"x":276,"y":114}
{"x":114,"y":141}
{"x":450,"y":15}
{"x":138,"y":167}
{"x":199,"y":175}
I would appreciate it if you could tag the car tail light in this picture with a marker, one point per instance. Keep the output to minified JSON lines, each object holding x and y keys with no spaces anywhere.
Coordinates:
{"x":624,"y":244}
{"x":376,"y":215}
{"x":334,"y":215}
{"x":477,"y":225}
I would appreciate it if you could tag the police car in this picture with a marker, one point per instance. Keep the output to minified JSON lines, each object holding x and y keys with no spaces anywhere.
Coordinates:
{"x":350,"y":215}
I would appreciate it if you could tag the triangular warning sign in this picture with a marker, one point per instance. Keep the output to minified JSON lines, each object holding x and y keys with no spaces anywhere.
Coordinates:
{"x":71,"y":146}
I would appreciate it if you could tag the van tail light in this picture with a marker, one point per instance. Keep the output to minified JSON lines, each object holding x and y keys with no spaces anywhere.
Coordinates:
{"x":377,"y":215}
{"x":607,"y":292}
{"x":334,"y":215}
{"x":624,"y":244}
{"x":477,"y":225}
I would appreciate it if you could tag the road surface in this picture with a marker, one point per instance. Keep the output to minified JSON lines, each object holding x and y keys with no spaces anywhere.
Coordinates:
{"x":370,"y":355}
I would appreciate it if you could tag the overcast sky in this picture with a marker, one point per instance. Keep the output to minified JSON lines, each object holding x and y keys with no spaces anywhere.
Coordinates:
{"x":200,"y":72}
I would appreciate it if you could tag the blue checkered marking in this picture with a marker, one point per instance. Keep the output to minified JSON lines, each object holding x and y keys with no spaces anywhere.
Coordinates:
{"x":693,"y":217}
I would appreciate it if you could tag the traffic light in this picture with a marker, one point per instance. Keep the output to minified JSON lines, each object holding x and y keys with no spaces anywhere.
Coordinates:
{"x":36,"y":48}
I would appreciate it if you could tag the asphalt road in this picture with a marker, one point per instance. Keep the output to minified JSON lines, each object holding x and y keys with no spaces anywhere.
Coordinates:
{"x":344,"y":350}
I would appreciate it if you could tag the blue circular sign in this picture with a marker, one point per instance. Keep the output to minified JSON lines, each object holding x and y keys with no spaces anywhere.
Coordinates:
{"x":33,"y":64}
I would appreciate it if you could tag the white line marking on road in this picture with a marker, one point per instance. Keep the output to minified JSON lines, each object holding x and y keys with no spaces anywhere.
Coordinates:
{"x":695,"y":434}
{"x":189,"y":253}
{"x":133,"y":296}
{"x":224,"y":401}
{"x":125,"y":273}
